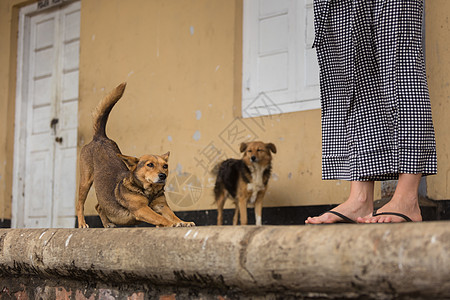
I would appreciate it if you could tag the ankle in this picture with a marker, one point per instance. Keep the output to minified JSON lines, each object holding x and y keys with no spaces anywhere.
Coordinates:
{"x":409,"y":199}
{"x":362,"y":193}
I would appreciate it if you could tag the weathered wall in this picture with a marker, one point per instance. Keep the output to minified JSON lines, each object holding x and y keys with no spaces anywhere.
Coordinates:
{"x":182,"y":62}
{"x":438,"y":70}
{"x":9,"y":13}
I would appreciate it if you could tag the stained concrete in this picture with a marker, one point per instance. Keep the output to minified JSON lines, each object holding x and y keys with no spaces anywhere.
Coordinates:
{"x":379,"y":261}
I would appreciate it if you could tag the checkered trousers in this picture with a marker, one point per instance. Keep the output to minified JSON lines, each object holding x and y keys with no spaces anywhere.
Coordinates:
{"x":376,"y":114}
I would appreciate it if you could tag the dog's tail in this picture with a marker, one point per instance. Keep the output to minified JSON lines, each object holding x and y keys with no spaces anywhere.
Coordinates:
{"x":219,"y":186}
{"x":215,"y":170}
{"x":103,"y":109}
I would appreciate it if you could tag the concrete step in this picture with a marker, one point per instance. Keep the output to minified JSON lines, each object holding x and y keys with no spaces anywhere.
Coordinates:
{"x":368,"y":261}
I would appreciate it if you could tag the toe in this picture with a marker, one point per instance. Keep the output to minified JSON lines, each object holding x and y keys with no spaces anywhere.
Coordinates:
{"x":373,"y":220}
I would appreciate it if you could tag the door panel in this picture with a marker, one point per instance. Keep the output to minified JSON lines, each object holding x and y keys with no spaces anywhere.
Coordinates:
{"x":37,"y":207}
{"x":39,"y":144}
{"x":64,"y":190}
{"x":67,"y":104}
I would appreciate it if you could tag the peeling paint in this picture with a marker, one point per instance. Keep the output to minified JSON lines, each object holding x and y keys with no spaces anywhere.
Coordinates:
{"x":179,"y":169}
{"x":217,"y":68}
{"x":290,"y":175}
{"x":42,"y":234}
{"x":191,"y":30}
{"x":400,"y":258}
{"x":433,"y":239}
{"x":196,"y":135}
{"x":187,"y":233}
{"x":169,"y":138}
{"x":68,"y":240}
{"x":46,"y":241}
{"x":131,"y":73}
{"x":198,"y":114}
{"x":204,"y":243}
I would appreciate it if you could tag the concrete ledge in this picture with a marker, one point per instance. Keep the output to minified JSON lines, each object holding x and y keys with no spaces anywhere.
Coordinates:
{"x":387,"y":261}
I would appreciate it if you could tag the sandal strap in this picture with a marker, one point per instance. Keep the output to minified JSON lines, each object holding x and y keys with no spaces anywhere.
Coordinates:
{"x":406,"y":218}
{"x":343,"y":217}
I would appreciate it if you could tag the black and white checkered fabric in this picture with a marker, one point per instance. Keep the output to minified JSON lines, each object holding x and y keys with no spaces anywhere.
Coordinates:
{"x":376,"y":114}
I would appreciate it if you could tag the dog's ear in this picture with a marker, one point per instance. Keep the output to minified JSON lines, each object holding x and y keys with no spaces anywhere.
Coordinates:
{"x":130,"y":161}
{"x":243,"y":147}
{"x":271,"y":147}
{"x":165,"y":156}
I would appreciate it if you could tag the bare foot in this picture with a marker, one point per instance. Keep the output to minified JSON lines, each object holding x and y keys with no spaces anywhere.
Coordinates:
{"x":359,"y":203}
{"x":405,"y":201}
{"x":396,"y":205}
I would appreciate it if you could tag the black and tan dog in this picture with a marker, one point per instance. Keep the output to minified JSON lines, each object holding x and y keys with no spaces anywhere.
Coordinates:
{"x":244,"y":180}
{"x":128,"y":189}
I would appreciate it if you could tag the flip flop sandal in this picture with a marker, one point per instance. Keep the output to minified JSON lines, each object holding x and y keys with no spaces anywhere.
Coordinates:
{"x":406,"y":218}
{"x":344,"y":218}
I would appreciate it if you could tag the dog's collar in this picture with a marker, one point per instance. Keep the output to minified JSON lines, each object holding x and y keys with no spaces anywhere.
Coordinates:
{"x":131,"y":185}
{"x":135,"y":187}
{"x":157,"y":195}
{"x":136,"y":181}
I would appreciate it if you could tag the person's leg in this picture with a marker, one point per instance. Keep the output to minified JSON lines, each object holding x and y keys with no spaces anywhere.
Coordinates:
{"x":359,"y":203}
{"x":404,"y":201}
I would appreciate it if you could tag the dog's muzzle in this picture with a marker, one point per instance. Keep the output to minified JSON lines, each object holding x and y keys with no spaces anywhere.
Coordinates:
{"x":253,"y":158}
{"x":161,"y":178}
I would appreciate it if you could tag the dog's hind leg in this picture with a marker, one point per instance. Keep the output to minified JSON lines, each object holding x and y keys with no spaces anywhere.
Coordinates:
{"x":242,"y":200}
{"x":86,"y":180}
{"x":236,"y":214}
{"x":258,"y":207}
{"x":106,"y":222}
{"x":220,"y":200}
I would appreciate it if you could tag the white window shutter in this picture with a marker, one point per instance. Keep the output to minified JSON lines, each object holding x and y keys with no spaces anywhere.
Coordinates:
{"x":280,"y":71}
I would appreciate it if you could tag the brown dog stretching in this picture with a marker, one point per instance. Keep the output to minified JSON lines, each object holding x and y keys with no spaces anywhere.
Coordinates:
{"x":128,"y":189}
{"x":244,"y":180}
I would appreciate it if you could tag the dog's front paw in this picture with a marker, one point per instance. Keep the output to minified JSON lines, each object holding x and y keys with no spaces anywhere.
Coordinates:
{"x":184,"y":224}
{"x":110,"y":225}
{"x":83,"y":225}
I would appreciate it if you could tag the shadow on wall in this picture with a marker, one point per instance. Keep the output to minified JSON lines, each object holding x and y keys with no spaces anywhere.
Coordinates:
{"x":289,"y":215}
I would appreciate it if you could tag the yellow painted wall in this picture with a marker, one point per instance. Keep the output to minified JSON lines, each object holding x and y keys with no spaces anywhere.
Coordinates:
{"x":8,"y":50}
{"x":438,"y":71}
{"x":182,"y":61}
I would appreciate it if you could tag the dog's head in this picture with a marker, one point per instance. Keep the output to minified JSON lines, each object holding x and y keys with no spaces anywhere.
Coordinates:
{"x":148,"y":169}
{"x":257,"y":152}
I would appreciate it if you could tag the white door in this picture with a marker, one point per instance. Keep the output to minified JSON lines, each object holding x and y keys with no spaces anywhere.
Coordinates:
{"x":46,"y":117}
